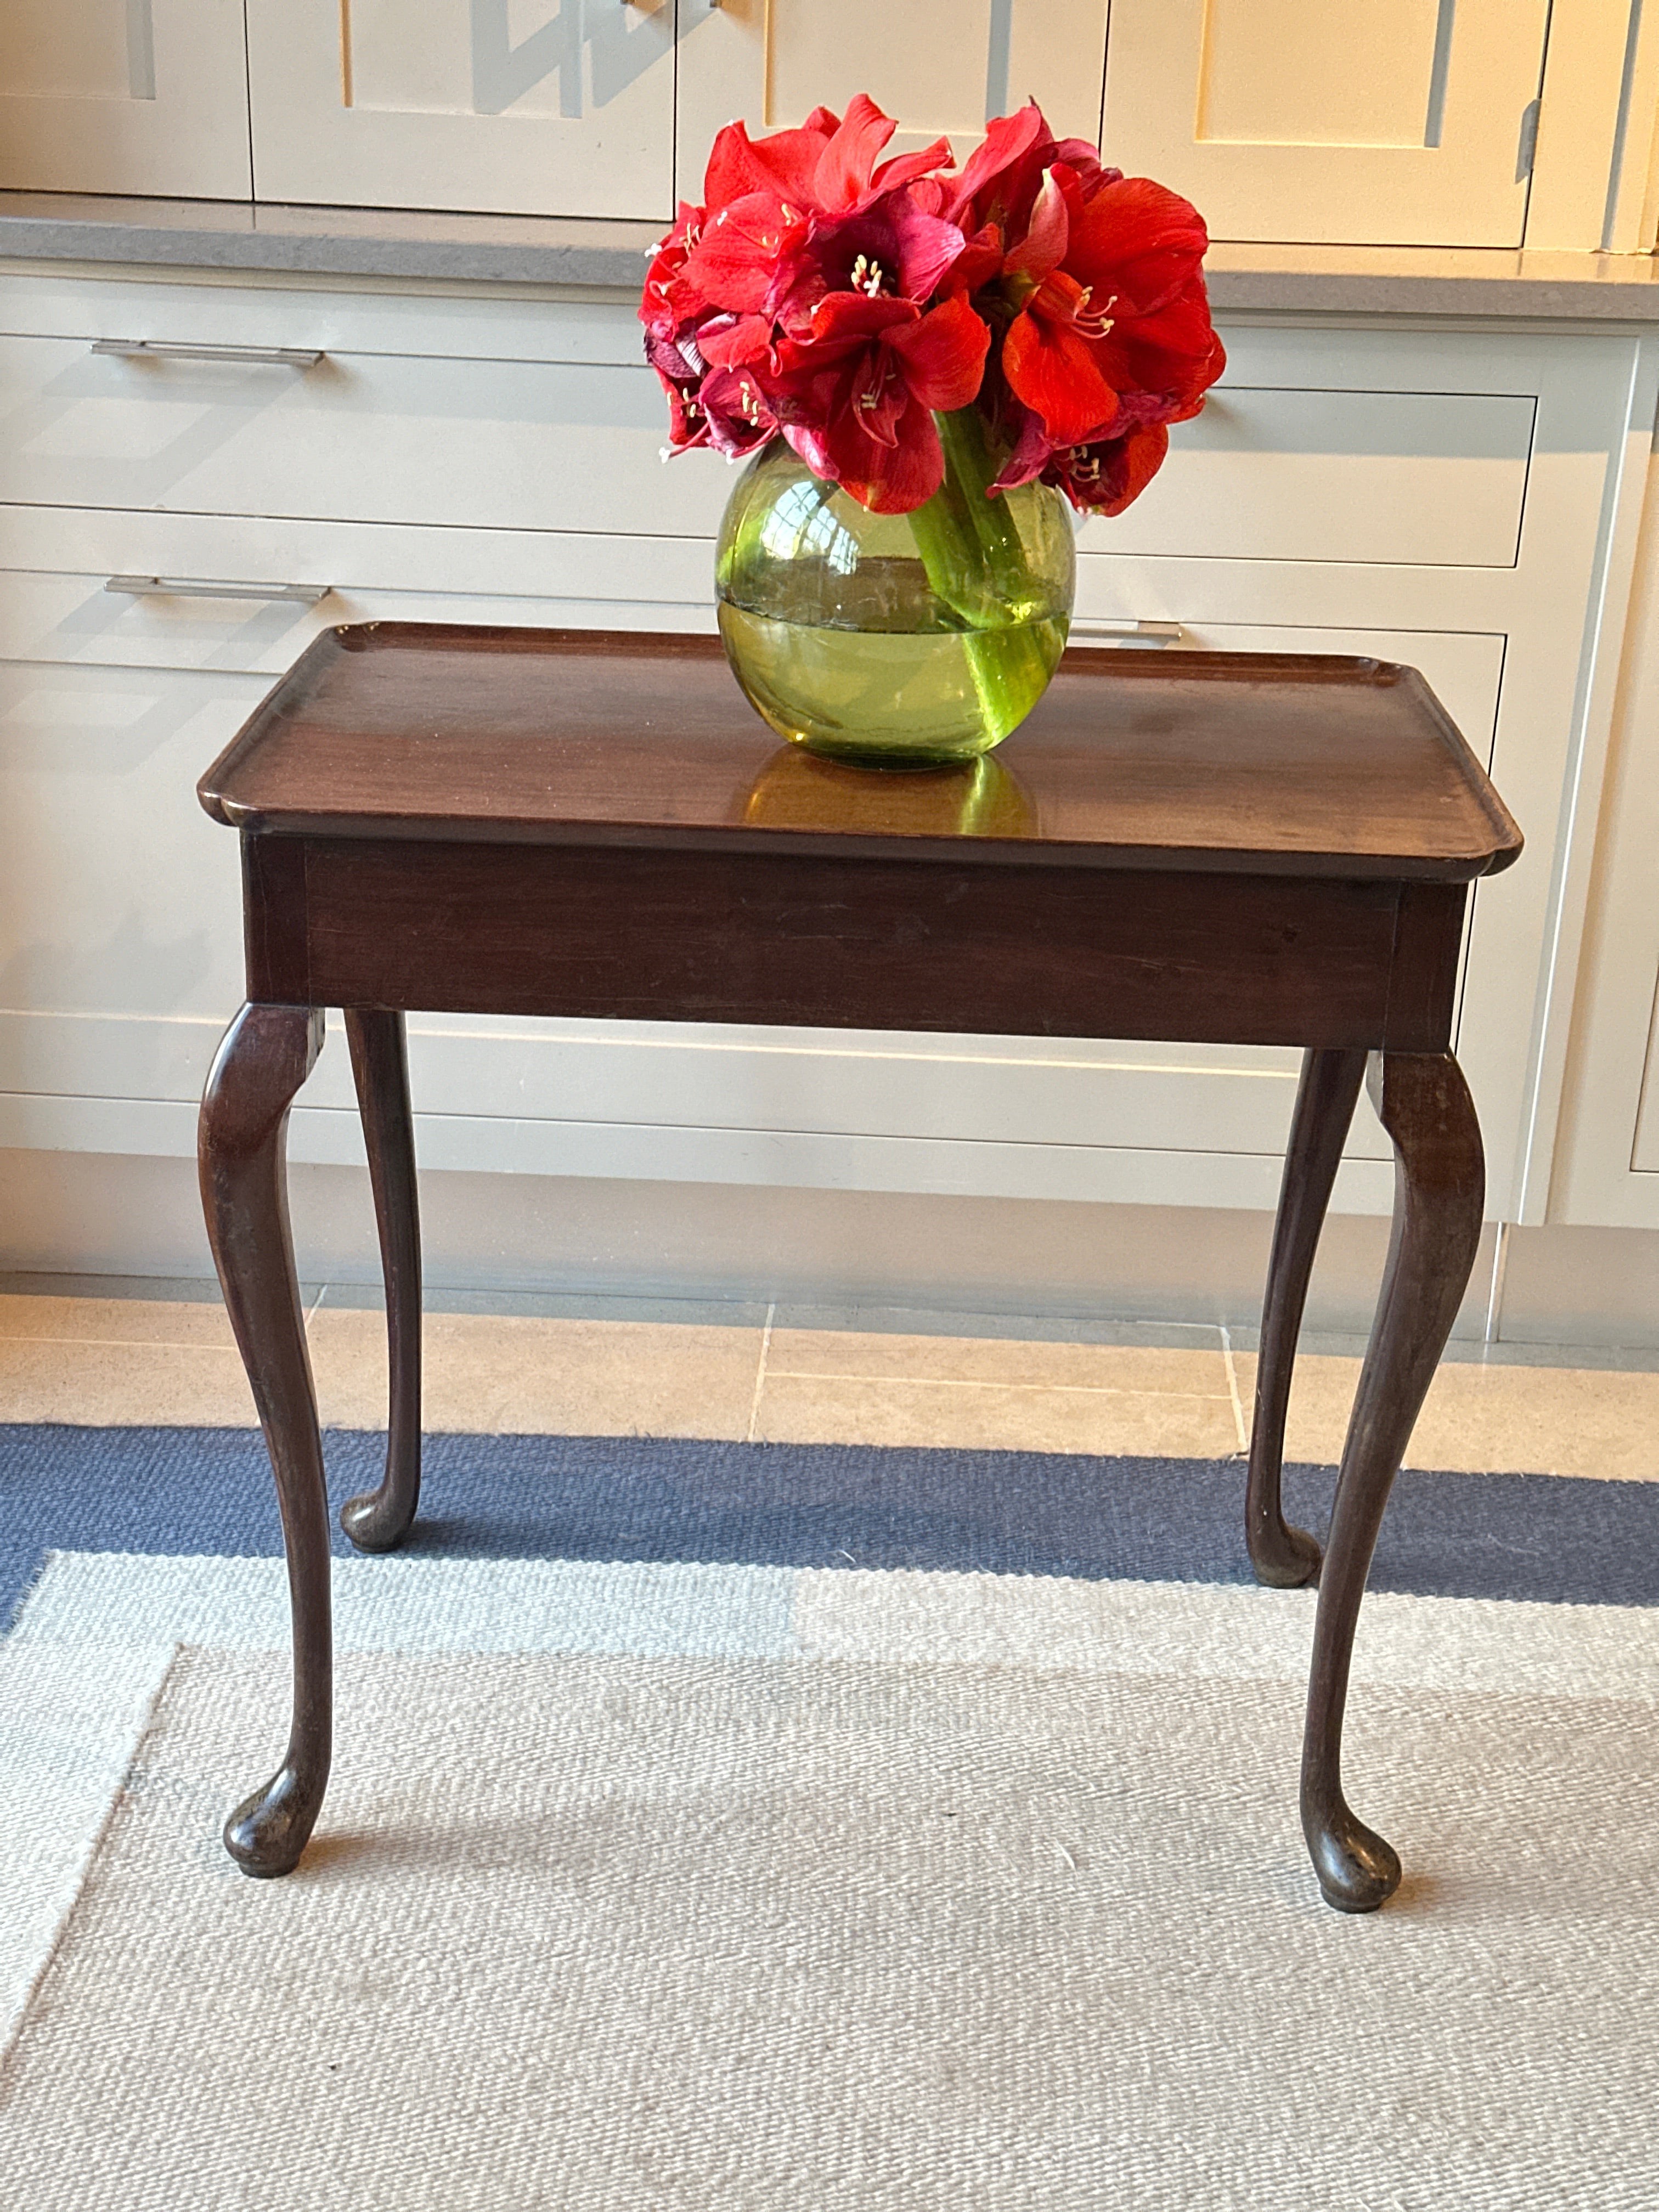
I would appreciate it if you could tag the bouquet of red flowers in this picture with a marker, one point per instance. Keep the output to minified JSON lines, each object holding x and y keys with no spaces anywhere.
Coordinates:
{"x":845,"y":306}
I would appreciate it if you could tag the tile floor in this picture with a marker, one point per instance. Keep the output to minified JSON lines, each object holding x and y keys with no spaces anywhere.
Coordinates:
{"x":113,"y":1352}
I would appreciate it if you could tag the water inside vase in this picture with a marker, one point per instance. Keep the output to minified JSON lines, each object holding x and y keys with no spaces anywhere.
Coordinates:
{"x":913,"y":639}
{"x":914,"y":698}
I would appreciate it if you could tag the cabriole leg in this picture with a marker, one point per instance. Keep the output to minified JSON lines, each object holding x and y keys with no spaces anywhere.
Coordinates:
{"x":379,"y":1519}
{"x":1439,"y":1187}
{"x":1325,"y":1099}
{"x":267,"y":1054}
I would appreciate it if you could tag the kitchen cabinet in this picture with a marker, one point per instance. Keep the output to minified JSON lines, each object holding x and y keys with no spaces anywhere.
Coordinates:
{"x":958,"y":63}
{"x":1332,"y":121}
{"x":1445,"y":497}
{"x":123,"y":96}
{"x":1608,"y":1168}
{"x":556,"y":109}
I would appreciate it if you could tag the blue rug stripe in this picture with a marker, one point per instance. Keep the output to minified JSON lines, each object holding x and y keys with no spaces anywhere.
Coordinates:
{"x":208,"y":1491}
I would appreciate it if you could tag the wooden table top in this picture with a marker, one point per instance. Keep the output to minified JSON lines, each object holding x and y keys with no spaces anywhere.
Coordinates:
{"x":1279,"y":764}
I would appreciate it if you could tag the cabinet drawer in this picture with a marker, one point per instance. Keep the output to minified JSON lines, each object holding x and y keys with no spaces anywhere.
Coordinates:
{"x":1264,"y":473}
{"x":119,"y":895}
{"x":1430,"y":478}
{"x":227,"y":609}
{"x":512,"y":445}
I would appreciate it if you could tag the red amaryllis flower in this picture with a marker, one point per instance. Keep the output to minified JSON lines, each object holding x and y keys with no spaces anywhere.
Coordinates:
{"x":791,"y":221}
{"x":1103,"y":478}
{"x":778,"y":248}
{"x":857,"y":392}
{"x":709,"y":403}
{"x":996,"y":191}
{"x":1110,"y":302}
{"x":828,"y":166}
{"x":844,"y":301}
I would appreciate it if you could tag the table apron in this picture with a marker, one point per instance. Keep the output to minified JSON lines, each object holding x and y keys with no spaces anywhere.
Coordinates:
{"x":851,"y":942}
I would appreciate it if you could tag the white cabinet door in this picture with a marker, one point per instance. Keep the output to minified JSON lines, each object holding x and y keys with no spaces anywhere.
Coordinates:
{"x":533,"y":107}
{"x":146,"y":96}
{"x":1609,"y":1163}
{"x":118,"y":894}
{"x":1332,"y":121}
{"x":954,"y":64}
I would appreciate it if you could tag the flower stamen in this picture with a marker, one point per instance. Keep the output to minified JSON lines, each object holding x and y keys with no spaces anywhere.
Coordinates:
{"x":1093,"y":323}
{"x":869,"y":277}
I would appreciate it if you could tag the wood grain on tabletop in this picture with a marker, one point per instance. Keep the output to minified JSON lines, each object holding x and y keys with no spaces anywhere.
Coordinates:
{"x":1302,"y":763}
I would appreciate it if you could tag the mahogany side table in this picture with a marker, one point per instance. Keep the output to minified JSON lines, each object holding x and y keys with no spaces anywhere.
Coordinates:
{"x":1237,"y":848}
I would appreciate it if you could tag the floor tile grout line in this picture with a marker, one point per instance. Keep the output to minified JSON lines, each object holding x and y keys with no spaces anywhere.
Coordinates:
{"x":1232,"y":1386}
{"x":124,"y":1343}
{"x":760,"y":1374}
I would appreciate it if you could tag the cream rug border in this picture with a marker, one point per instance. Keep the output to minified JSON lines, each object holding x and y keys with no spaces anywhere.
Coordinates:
{"x":90,"y":1652}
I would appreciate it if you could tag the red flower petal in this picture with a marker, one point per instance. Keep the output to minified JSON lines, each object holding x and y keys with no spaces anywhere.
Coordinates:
{"x":842,"y":177}
{"x":854,"y":315}
{"x":1174,"y":351}
{"x":911,"y":168}
{"x":1031,"y":453}
{"x":944,"y":355}
{"x":888,"y":479}
{"x":980,"y":261}
{"x":1052,"y":367}
{"x":1138,"y":241}
{"x":1005,"y":140}
{"x":1043,"y":247}
{"x":736,"y":262}
{"x":926,"y":248}
{"x":1105,"y":477}
{"x":785,"y":163}
{"x":732,"y":342}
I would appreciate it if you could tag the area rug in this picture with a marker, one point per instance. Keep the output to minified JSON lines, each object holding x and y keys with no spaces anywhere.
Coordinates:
{"x":1565,"y":1539}
{"x":733,"y":1869}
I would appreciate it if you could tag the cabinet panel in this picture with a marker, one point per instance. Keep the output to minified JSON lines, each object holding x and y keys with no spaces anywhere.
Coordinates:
{"x":387,"y":438}
{"x":371,"y":576}
{"x":1609,"y":1173}
{"x":1645,"y":1156}
{"x":147,"y":96}
{"x":958,"y":63}
{"x":544,"y":107}
{"x":1421,"y":477}
{"x":118,"y":894}
{"x":1331,"y":121}
{"x":1435,"y":478}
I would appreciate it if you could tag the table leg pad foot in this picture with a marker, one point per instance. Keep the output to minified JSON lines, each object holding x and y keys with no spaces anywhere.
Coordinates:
{"x":375,"y":1521}
{"x":1285,"y":1558}
{"x":268,"y":1831}
{"x":1357,"y":1870}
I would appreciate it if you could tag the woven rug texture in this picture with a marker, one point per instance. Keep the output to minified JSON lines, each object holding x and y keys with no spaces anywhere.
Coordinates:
{"x":601,"y":1931}
{"x":749,"y":1825}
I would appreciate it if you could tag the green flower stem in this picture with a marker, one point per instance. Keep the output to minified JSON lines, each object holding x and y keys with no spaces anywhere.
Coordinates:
{"x":978,"y":570}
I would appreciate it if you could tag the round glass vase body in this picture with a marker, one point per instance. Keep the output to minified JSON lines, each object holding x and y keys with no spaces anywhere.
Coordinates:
{"x":894,"y":640}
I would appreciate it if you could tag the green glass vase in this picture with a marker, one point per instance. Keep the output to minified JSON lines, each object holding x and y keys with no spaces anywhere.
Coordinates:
{"x":894,"y":640}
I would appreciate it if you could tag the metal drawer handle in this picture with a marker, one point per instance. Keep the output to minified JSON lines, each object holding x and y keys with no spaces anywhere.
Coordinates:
{"x":165,"y":349}
{"x":1155,"y":633}
{"x":193,"y":587}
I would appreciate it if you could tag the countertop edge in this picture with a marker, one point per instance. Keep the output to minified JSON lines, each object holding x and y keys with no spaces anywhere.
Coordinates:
{"x":611,"y":255}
